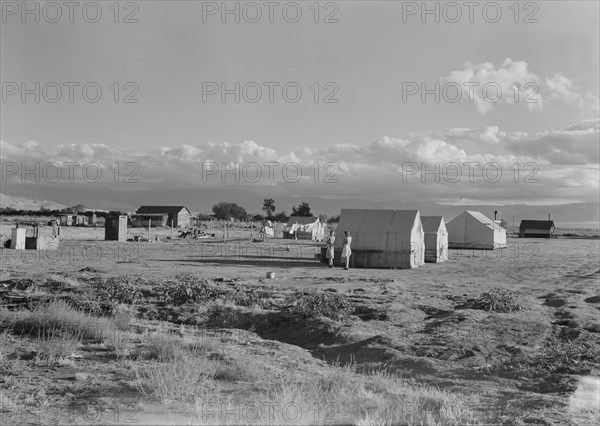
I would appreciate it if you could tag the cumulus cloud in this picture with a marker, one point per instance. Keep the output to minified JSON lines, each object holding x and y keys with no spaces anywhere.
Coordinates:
{"x":487,"y":163}
{"x":513,"y":82}
{"x":485,"y":85}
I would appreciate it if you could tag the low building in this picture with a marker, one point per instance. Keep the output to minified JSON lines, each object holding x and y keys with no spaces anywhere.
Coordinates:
{"x":536,"y":229}
{"x":68,"y":219}
{"x":174,"y":216}
{"x":152,"y":220}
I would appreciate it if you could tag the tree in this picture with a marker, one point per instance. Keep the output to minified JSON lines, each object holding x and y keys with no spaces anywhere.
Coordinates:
{"x":334,"y":219}
{"x":302,"y":210}
{"x":257,"y":218}
{"x":281,"y":217}
{"x":226,"y":211}
{"x":269,"y":207}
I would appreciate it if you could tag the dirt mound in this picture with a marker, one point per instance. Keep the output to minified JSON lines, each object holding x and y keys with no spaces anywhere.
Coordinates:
{"x":375,"y":349}
{"x":433,"y":312}
{"x":286,"y":327}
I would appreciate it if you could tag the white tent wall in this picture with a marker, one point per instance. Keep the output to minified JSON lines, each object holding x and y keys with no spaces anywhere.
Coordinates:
{"x":436,"y":239}
{"x":475,"y":230}
{"x":499,"y":237}
{"x":442,"y":242}
{"x":382,"y":238}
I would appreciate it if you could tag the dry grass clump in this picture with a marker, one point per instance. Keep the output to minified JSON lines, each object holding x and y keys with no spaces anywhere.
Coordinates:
{"x":379,"y":397}
{"x":57,"y":329}
{"x":56,"y":319}
{"x":343,"y":396}
{"x":186,"y":378}
{"x":179,"y":368}
{"x":5,"y":341}
{"x":238,"y":370}
{"x":498,"y":300}
{"x":159,"y":346}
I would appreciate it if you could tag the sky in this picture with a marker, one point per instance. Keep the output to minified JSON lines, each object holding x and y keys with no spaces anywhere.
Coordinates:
{"x":359,"y":113}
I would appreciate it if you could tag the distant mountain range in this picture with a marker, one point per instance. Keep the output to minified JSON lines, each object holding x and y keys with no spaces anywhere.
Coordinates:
{"x":27,"y":204}
{"x":201,"y":201}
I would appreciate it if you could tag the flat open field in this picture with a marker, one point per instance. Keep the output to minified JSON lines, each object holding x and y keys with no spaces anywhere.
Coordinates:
{"x":192,"y":332}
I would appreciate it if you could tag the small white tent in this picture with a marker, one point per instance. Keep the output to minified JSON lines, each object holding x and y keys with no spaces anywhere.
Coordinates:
{"x":304,"y":228}
{"x":382,"y":238}
{"x":472,"y":229}
{"x":436,"y":239}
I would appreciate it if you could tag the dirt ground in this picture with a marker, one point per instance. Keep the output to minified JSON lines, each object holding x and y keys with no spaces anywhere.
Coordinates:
{"x":422,"y":325}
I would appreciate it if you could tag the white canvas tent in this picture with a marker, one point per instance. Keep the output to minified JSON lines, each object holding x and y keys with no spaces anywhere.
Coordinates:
{"x":473,"y":229}
{"x":304,"y":228}
{"x":436,"y":239}
{"x":382,"y":238}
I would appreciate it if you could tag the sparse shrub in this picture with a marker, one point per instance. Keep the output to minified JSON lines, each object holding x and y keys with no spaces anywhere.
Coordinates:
{"x":557,"y":356}
{"x":498,"y":300}
{"x":245,"y":296}
{"x":115,"y":290}
{"x":185,"y":289}
{"x":316,"y":304}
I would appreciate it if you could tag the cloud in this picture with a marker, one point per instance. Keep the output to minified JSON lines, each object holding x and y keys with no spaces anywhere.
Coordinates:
{"x":477,"y":164}
{"x":513,"y":82}
{"x":484,"y":85}
{"x":563,"y":89}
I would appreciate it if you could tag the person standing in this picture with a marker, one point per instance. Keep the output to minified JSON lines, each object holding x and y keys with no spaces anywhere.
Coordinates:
{"x":330,"y":241}
{"x":346,"y":250}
